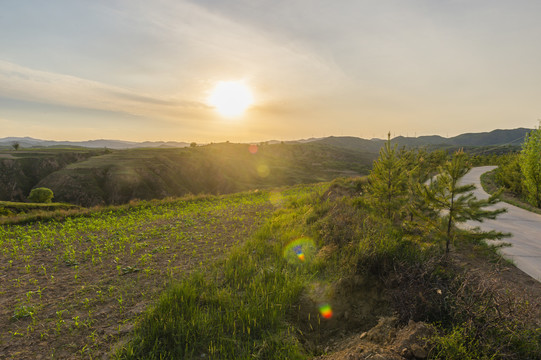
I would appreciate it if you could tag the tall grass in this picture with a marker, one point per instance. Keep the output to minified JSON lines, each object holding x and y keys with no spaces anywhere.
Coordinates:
{"x":240,"y":309}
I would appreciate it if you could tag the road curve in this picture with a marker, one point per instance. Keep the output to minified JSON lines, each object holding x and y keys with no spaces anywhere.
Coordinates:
{"x":525,"y":227}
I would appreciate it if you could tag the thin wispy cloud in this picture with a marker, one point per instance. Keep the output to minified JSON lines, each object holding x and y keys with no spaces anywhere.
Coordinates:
{"x":33,"y":85}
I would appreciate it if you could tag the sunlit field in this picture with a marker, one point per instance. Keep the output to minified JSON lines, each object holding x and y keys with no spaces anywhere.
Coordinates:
{"x":297,"y":272}
{"x":72,"y":287}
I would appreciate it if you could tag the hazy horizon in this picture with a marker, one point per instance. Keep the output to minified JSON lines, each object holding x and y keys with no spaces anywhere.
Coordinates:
{"x":144,"y":71}
{"x":187,"y":141}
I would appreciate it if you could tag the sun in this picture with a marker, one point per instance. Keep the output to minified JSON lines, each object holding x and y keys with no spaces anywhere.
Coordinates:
{"x":231,"y":98}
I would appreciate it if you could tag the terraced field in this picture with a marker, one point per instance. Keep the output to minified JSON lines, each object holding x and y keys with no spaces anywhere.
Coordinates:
{"x":71,"y":288}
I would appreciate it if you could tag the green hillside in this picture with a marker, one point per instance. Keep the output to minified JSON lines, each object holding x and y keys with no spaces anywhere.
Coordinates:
{"x":495,"y":138}
{"x":122,"y":176}
{"x":21,"y":170}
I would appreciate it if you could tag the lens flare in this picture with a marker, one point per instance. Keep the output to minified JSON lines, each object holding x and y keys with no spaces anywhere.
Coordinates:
{"x":252,"y":148}
{"x":276,"y":198}
{"x":326,"y":311}
{"x":300,"y":250}
{"x":263,"y":170}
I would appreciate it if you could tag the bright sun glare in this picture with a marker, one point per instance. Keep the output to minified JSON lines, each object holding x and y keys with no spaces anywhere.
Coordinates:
{"x":231,"y":98}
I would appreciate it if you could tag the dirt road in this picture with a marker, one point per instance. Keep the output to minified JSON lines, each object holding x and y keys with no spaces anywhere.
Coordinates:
{"x":524,"y":226}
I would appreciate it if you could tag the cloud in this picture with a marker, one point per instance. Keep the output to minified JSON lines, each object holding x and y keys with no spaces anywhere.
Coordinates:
{"x":27,"y":84}
{"x":211,"y":46}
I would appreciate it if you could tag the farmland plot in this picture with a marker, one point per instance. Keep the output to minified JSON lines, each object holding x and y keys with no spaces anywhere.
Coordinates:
{"x":70,"y":288}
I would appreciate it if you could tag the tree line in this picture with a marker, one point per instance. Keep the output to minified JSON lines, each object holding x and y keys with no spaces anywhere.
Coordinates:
{"x":520,"y":173}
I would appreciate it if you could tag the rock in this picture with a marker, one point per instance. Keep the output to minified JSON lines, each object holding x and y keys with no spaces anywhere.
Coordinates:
{"x":406,"y":353}
{"x":414,"y":333}
{"x":418,"y":351}
{"x":363,"y":335}
{"x":384,"y":332}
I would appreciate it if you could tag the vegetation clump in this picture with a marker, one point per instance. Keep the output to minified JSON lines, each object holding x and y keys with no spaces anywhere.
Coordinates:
{"x":41,"y":195}
{"x":530,"y":165}
{"x":519,"y":174}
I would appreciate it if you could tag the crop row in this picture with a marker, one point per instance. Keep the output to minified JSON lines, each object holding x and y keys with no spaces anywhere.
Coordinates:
{"x":78,"y":284}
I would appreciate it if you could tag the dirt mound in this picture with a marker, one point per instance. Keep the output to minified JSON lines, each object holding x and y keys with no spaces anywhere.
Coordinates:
{"x":345,"y":188}
{"x":356,"y":303}
{"x":384,"y":341}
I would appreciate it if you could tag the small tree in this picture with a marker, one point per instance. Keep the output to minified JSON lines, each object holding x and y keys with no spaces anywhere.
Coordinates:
{"x":16,"y":146}
{"x":418,"y":170}
{"x":41,"y":195}
{"x":509,"y":175}
{"x":456,"y":203}
{"x":388,"y":180}
{"x":194,"y":144}
{"x":530,"y":165}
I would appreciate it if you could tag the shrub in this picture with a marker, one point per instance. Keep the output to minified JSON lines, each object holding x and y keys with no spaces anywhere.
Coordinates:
{"x":41,"y":195}
{"x":5,"y":212}
{"x":509,"y":175}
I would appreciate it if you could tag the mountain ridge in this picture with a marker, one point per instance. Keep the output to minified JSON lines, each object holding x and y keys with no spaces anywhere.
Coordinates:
{"x":490,"y":138}
{"x":29,"y":142}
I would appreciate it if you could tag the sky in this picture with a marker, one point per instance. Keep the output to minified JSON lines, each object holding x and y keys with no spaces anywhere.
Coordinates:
{"x":144,"y":70}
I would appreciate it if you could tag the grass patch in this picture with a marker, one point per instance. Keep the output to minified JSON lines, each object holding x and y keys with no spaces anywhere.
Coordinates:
{"x":17,"y":207}
{"x":238,"y":317}
{"x":21,"y":213}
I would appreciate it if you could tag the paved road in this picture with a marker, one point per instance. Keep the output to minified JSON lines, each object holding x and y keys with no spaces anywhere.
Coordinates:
{"x":524,"y":226}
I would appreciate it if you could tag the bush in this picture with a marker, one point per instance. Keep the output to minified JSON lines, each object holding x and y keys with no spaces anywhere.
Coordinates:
{"x":41,"y":195}
{"x":5,"y":212}
{"x":509,"y":175}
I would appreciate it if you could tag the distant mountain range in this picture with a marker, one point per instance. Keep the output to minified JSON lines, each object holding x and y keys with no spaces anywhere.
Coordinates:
{"x":28,"y":142}
{"x":512,"y":137}
{"x":493,"y":138}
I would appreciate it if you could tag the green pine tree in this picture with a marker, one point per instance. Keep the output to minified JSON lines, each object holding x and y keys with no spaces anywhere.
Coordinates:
{"x":530,"y":166}
{"x":455,"y":203}
{"x":388,"y":180}
{"x":418,"y":170}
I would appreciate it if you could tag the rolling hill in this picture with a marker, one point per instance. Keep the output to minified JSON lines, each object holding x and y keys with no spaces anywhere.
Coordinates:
{"x":117,"y":177}
{"x":88,"y":177}
{"x":512,"y":137}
